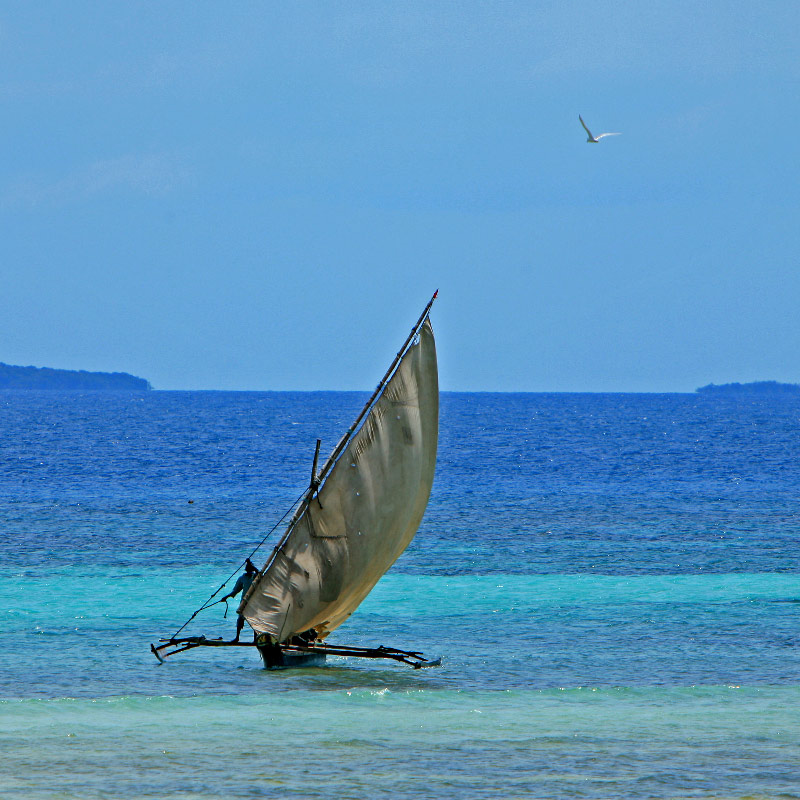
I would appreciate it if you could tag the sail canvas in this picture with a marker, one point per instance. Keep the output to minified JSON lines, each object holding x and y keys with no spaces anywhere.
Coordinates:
{"x":365,"y":513}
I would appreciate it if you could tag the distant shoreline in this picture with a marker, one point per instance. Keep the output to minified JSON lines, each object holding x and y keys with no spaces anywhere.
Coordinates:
{"x":754,"y":389}
{"x":364,"y":393}
{"x":16,"y":378}
{"x":48,"y":379}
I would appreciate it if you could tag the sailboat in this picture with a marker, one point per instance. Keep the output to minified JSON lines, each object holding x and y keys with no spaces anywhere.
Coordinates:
{"x":359,"y":513}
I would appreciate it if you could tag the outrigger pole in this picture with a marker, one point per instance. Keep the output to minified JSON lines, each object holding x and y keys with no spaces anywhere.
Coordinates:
{"x":412,"y":658}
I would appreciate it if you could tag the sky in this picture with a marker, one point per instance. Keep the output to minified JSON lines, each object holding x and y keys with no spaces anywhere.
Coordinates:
{"x":263,"y":196}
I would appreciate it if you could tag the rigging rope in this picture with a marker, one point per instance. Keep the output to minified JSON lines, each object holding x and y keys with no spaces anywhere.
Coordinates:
{"x":208,"y":602}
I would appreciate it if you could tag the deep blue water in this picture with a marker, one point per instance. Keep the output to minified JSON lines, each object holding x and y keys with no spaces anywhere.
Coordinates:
{"x":613,"y":582}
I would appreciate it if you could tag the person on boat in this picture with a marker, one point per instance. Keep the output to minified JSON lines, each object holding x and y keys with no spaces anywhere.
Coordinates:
{"x":242,"y":585}
{"x":304,"y":638}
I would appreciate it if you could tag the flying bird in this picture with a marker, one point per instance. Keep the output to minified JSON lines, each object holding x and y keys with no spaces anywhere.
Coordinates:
{"x":594,"y":139}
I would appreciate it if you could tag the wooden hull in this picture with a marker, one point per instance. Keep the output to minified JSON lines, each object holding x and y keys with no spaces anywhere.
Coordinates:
{"x":277,"y":658}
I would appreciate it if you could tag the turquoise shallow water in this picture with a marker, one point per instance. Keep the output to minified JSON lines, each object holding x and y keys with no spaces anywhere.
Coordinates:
{"x":613,"y":583}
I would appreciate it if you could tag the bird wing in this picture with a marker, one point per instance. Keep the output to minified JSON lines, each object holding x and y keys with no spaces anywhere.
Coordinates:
{"x":601,"y":135}
{"x":584,"y":126}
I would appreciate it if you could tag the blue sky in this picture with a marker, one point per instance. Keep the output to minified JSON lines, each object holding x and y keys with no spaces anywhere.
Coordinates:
{"x":264,"y":196}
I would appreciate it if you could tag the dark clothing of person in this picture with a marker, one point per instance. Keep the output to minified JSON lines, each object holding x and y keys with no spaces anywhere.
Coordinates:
{"x":243,"y":584}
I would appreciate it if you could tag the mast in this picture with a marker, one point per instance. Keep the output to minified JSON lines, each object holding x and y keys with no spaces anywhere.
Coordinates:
{"x":380,"y":387}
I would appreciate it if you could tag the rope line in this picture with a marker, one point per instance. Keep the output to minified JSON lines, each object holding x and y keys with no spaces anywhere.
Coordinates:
{"x":208,"y":602}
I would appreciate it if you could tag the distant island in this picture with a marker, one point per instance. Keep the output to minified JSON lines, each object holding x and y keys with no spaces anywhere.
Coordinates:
{"x":755,"y":389}
{"x":38,"y":378}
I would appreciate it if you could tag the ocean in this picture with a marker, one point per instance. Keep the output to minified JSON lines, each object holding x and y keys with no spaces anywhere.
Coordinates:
{"x":612,"y":582}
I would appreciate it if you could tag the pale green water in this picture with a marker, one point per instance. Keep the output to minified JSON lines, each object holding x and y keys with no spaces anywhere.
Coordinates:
{"x":688,"y":742}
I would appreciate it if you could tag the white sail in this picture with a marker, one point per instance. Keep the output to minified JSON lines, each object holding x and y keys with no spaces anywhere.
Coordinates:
{"x":365,"y":513}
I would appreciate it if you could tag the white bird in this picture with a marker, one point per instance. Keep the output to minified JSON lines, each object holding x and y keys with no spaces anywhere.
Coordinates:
{"x":594,"y":139}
